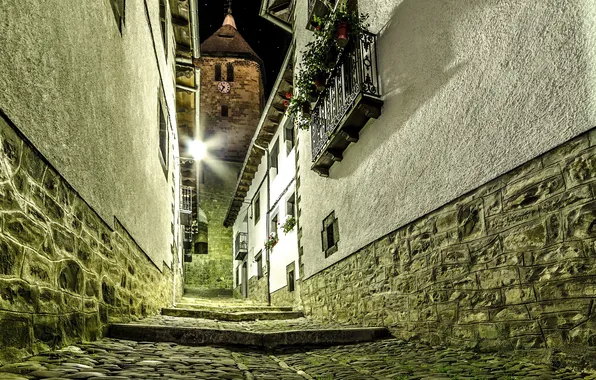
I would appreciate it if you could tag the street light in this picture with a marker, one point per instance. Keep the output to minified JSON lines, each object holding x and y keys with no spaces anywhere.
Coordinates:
{"x":197,"y":149}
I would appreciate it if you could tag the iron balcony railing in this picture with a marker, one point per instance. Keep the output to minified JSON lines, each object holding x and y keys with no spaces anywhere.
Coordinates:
{"x":186,"y":202}
{"x":356,"y":75}
{"x":241,"y":245}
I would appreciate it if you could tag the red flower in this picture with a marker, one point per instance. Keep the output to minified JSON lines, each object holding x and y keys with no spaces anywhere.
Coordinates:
{"x":288,"y":95}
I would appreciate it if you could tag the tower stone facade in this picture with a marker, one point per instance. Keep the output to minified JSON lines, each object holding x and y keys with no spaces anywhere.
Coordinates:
{"x":231,"y":102}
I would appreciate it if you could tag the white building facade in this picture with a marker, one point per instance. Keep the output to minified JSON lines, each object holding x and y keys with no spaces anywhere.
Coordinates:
{"x":264,"y":222}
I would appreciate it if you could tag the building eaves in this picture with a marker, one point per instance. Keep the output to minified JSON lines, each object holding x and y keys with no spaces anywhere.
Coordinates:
{"x":270,"y":118}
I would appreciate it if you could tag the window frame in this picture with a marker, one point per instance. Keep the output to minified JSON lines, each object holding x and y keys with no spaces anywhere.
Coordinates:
{"x":229,"y":72}
{"x":217,"y":76}
{"x":257,"y":208}
{"x":163,"y":24}
{"x":274,"y":156}
{"x":291,"y":205}
{"x":330,"y":229}
{"x":119,"y":11}
{"x":163,"y":133}
{"x":259,"y":261}
{"x":225,"y":111}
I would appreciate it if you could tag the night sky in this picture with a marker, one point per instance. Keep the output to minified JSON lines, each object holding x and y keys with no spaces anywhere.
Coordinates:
{"x":270,"y":42}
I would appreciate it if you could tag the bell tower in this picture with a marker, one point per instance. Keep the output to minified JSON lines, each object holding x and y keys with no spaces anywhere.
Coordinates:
{"x":232,"y":92}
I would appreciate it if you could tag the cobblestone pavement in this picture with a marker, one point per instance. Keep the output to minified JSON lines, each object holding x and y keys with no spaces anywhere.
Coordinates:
{"x":253,"y":326}
{"x":388,"y":359}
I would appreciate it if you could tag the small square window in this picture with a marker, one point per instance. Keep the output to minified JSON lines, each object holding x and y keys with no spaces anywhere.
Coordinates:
{"x":289,"y":134}
{"x":291,"y":205}
{"x":274,"y":221}
{"x":330,"y":235}
{"x":291,"y":281}
{"x":163,"y":24}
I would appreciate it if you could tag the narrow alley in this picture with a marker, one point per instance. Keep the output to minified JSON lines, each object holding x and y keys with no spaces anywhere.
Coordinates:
{"x":297,"y":349}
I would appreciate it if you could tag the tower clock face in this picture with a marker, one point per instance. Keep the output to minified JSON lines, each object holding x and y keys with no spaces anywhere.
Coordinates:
{"x":223,"y":87}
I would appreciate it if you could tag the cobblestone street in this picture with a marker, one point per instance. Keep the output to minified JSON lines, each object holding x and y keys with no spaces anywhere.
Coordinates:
{"x":387,"y":359}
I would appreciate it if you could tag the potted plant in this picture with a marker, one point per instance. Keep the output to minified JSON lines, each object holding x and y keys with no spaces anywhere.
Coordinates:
{"x":289,"y":224}
{"x":271,"y":241}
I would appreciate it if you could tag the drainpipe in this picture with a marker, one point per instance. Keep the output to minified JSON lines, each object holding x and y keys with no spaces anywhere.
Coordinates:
{"x":267,"y":221}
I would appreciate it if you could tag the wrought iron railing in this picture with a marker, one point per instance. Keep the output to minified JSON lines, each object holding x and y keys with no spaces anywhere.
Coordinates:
{"x":241,"y":244}
{"x":186,"y":201}
{"x":356,"y":74}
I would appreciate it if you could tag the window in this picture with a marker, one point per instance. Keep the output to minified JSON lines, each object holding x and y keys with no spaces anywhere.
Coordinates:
{"x":291,"y":281}
{"x":163,"y":136}
{"x":238,"y":275}
{"x":330,"y":235}
{"x":224,"y":111}
{"x":259,"y":260}
{"x":290,"y":205}
{"x":218,"y":72}
{"x":289,"y":134}
{"x":257,"y":208}
{"x":273,"y":157}
{"x":118,"y":9}
{"x":230,"y":72}
{"x":163,"y":23}
{"x":274,"y":224}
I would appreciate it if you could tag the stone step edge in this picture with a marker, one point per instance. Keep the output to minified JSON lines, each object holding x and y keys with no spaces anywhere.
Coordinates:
{"x":233,"y":308}
{"x":267,"y":340}
{"x":232,"y":316}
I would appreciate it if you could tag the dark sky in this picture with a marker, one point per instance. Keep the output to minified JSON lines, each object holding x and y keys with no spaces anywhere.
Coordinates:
{"x":270,"y":42}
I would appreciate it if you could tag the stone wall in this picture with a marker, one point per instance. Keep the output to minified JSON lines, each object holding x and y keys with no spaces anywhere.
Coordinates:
{"x":510,"y":265}
{"x":214,"y":270}
{"x":257,"y":289}
{"x":64,"y":274}
{"x":283,"y":297}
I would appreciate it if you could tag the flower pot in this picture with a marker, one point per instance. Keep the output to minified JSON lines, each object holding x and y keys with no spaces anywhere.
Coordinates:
{"x":331,"y":58}
{"x":313,"y":96}
{"x":286,"y":103}
{"x":341,"y":34}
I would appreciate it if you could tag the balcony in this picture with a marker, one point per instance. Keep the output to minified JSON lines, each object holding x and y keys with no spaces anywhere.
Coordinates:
{"x":351,"y":98}
{"x":241,"y":246}
{"x":186,"y":205}
{"x":319,"y":8}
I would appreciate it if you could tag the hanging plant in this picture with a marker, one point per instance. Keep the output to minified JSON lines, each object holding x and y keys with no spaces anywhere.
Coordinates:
{"x":289,"y":224}
{"x":332,"y":35}
{"x":271,"y":241}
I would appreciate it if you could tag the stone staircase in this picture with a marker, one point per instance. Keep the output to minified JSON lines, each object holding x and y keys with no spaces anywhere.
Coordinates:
{"x":199,"y":320}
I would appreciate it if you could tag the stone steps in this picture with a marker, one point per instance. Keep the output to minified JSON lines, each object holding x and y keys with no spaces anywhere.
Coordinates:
{"x":230,"y":337}
{"x":232,"y":308}
{"x":233,"y":316}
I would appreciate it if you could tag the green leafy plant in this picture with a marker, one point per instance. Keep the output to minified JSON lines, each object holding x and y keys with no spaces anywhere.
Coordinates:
{"x":289,"y":224}
{"x":271,"y":241}
{"x":320,"y":57}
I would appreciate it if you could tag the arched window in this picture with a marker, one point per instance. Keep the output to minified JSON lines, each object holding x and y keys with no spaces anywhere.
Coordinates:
{"x":218,"y":72}
{"x":224,"y":111}
{"x":230,"y":72}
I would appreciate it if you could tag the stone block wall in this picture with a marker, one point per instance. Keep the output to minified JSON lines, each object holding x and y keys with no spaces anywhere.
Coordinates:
{"x":510,"y":265}
{"x":64,"y":274}
{"x":283,"y":297}
{"x":216,"y":189}
{"x":257,"y":289}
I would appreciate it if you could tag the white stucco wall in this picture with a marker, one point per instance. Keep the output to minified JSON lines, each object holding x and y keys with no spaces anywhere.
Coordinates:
{"x":472,"y":89}
{"x":282,"y":187}
{"x":87,"y":98}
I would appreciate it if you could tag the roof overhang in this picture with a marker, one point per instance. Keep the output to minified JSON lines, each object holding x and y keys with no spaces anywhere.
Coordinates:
{"x":270,"y":118}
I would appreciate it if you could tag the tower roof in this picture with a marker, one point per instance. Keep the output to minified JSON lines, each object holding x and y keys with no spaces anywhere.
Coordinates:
{"x":227,"y":42}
